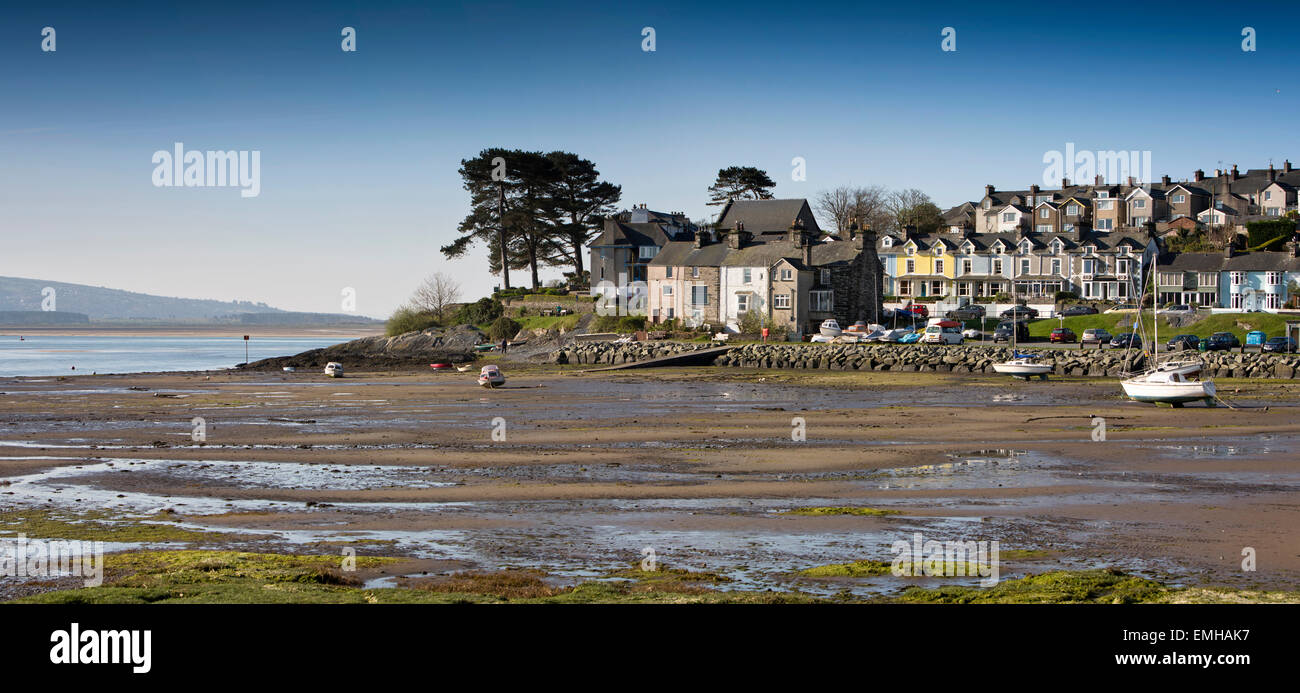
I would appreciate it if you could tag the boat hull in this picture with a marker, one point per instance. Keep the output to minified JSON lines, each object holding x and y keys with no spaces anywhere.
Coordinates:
{"x":1023,"y":370}
{"x":1169,"y":393}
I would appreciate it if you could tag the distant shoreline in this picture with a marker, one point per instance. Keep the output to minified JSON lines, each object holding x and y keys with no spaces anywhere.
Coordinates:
{"x":232,"y":331}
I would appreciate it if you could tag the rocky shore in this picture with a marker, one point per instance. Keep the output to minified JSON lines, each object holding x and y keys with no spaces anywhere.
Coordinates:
{"x":450,"y":345}
{"x":920,"y":358}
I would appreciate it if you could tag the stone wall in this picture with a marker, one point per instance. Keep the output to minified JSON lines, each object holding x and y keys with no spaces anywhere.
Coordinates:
{"x":612,"y":353}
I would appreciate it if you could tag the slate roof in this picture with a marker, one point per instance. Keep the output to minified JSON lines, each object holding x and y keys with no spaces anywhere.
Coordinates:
{"x":768,"y":216}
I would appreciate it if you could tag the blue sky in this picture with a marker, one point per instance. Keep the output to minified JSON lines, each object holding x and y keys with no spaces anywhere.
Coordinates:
{"x":359,"y":151}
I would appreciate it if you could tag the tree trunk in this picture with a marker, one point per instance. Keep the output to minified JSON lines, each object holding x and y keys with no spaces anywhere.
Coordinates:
{"x":501,"y":237}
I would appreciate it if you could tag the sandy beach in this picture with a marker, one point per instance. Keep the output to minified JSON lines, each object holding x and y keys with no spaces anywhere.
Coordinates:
{"x":575,"y":473}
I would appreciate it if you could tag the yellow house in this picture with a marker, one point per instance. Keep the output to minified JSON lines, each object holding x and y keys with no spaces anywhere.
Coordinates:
{"x":926,"y":268}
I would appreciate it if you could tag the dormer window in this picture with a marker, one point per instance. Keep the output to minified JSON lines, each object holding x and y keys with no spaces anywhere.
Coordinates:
{"x":968,"y":248}
{"x":1103,"y":194}
{"x":911,"y":250}
{"x":886,"y":241}
{"x":988,"y":203}
{"x":938,"y":250}
{"x":1024,"y":247}
{"x":1089,"y":249}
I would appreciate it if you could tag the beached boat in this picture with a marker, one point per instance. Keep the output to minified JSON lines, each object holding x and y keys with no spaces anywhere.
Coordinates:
{"x":1024,"y":366}
{"x":334,"y":369}
{"x":491,"y":376}
{"x":831,"y":328}
{"x":1174,"y":382}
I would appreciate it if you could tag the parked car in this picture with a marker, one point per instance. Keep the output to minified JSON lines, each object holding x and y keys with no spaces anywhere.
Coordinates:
{"x":1078,"y":309}
{"x":1256,"y":338}
{"x":1096,"y":335}
{"x":935,"y":334}
{"x":1124,"y":308}
{"x":1127,"y":340}
{"x":1004,"y":330}
{"x":1020,"y":311}
{"x":1063,"y":335}
{"x":1223,"y":340}
{"x":918,"y":309}
{"x":967,"y":312}
{"x":1183,"y":342}
{"x":1284,"y":345}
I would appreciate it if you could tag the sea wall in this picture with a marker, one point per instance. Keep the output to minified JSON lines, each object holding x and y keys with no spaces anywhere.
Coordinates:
{"x":922,"y":358}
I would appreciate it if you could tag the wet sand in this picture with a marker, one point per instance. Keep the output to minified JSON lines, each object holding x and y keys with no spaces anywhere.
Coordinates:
{"x":588,"y":469}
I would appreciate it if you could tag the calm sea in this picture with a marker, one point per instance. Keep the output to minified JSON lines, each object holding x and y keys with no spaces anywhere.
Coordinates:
{"x":40,"y":355}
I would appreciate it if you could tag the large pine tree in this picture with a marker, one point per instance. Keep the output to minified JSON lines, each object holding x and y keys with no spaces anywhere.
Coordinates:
{"x":740,"y":183}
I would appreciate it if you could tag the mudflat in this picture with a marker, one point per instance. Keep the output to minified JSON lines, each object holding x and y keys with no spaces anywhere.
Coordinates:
{"x":578,"y":474}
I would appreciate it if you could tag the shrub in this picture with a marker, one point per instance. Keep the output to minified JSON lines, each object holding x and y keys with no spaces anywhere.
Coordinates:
{"x":1062,"y":296}
{"x":481,"y":312}
{"x":618,"y":323}
{"x":408,"y":319}
{"x":503,"y":328}
{"x":1261,"y":232}
{"x":751,"y":322}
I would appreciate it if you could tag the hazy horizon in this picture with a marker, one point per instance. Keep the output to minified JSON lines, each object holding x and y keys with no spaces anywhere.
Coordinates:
{"x":359,"y":150}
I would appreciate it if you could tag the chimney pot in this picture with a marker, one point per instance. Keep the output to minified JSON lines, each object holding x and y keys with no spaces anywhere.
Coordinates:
{"x":1286,"y":166}
{"x":1099,"y":180}
{"x":1200,"y":175}
{"x":1034,"y":188}
{"x":1065,"y":182}
{"x":988,"y":190}
{"x":1164,"y":180}
{"x":1235,"y":175}
{"x":1132,"y":181}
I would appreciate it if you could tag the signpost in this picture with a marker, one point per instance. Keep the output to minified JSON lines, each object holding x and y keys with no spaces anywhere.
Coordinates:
{"x":245,"y":349}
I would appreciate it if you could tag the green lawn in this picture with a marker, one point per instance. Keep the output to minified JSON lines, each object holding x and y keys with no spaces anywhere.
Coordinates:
{"x":1272,"y":325}
{"x":549,"y":322}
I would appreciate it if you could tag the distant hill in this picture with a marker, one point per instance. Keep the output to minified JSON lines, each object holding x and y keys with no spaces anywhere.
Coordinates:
{"x":110,"y":305}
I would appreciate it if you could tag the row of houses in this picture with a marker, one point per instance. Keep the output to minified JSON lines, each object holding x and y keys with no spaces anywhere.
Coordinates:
{"x":1229,"y":198}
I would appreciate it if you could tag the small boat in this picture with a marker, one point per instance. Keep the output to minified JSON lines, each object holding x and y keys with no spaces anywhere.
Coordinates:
{"x":860,"y":327}
{"x":465,"y":367}
{"x":831,"y":328}
{"x":485,"y":347}
{"x":334,"y":369}
{"x":1173,"y":386}
{"x":1024,"y":366}
{"x":490,"y":376}
{"x":288,"y":369}
{"x":822,"y":339}
{"x":440,"y":366}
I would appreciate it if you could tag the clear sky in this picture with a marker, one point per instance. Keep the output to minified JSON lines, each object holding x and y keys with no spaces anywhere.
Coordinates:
{"x":359,"y":151}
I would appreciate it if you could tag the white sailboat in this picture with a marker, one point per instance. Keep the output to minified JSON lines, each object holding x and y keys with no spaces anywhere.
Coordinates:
{"x":1021,"y":365}
{"x":1172,"y":382}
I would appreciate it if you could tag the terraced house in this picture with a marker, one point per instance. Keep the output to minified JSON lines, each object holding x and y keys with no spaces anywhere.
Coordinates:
{"x":1256,"y":281}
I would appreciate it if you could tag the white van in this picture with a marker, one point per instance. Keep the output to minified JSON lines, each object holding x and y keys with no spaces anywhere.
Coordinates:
{"x":941,"y":335}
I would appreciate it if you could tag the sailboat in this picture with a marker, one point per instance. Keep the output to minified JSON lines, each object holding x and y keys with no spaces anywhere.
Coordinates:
{"x":1174,"y":382}
{"x":1021,"y":365}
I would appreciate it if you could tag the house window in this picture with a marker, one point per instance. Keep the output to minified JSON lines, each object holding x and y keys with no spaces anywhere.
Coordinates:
{"x":1272,"y":301}
{"x":911,"y":266}
{"x":1105,"y":204}
{"x":1237,"y":301}
{"x":1268,"y":194}
{"x":1273,"y":278}
{"x":695,"y":272}
{"x":826,"y":276}
{"x":936,"y":288}
{"x":788,"y":274}
{"x":966,"y":266}
{"x":911,"y":250}
{"x":1179,"y":199}
{"x":1121,"y":267}
{"x":1089,"y":266}
{"x":963,"y":288}
{"x":670,"y":314}
{"x":742,"y":303}
{"x":1139,"y":204}
{"x":1171,"y":279}
{"x":1044,"y":213}
{"x":746,"y":276}
{"x":1207,"y":279}
{"x":987,"y":204}
{"x":647,"y":252}
{"x":1056,"y":267}
{"x":904,"y":287}
{"x":1043,"y":228}
{"x":781,"y":301}
{"x":1024,"y":266}
{"x":1068,"y":228}
{"x":668,"y":272}
{"x":997,"y":267}
{"x":820,"y":301}
{"x":699,"y":295}
{"x":1105,"y":224}
{"x":1207,"y":299}
{"x":938,"y":266}
{"x":1008,"y":216}
{"x":886,"y":242}
{"x":668,"y":289}
{"x":1072,"y":210}
{"x":1103,"y":193}
{"x":1238,"y":278}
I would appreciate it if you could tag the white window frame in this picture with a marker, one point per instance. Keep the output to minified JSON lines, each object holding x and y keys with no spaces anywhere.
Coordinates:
{"x":781,"y":301}
{"x":821,"y":301}
{"x":746,"y":276}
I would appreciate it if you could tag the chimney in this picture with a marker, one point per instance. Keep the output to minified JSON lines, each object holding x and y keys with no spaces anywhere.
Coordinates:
{"x":738,"y":236}
{"x":1080,"y":232}
{"x":1099,"y":180}
{"x":1230,"y":248}
{"x":1235,"y":175}
{"x":988,"y":190}
{"x":909,"y":231}
{"x":805,"y":244}
{"x":853,"y":229}
{"x":699,"y":238}
{"x":1272,"y":174}
{"x":1200,"y":176}
{"x":1132,"y":181}
{"x":1286,"y":166}
{"x":1065,"y":183}
{"x":1164,"y":180}
{"x":1294,"y":247}
{"x":1033,"y":189}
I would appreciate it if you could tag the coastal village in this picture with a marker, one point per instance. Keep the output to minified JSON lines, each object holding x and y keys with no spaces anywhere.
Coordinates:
{"x":771,"y":259}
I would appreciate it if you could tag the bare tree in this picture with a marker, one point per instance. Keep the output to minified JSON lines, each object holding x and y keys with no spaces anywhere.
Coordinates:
{"x":436,"y":294}
{"x":868,"y":205}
